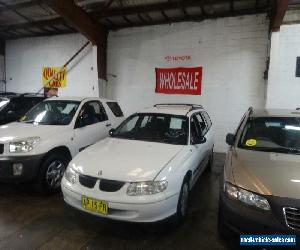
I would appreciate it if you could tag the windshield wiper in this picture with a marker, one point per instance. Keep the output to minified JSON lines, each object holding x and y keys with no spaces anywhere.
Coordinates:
{"x":278,"y":150}
{"x":29,"y":121}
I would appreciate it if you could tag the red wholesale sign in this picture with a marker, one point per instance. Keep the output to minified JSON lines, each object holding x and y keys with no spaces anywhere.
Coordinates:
{"x":179,"y":80}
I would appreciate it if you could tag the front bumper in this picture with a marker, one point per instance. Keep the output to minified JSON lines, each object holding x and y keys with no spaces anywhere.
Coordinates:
{"x":151,"y":211}
{"x":30,"y":170}
{"x":243,"y":219}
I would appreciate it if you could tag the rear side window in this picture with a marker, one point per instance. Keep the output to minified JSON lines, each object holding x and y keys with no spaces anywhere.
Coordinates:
{"x":207,"y":119}
{"x":115,"y":108}
{"x":202,"y":124}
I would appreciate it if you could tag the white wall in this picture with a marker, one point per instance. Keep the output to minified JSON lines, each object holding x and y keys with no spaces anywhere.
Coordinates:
{"x":283,"y":85}
{"x":26,"y":57}
{"x":232,"y":51}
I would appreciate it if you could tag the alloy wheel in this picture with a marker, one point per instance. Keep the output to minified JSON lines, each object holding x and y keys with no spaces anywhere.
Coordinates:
{"x":55,"y":173}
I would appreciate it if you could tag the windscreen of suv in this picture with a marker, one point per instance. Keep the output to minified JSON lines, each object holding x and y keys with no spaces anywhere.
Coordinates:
{"x":163,"y":128}
{"x":272,"y":134}
{"x":52,"y":113}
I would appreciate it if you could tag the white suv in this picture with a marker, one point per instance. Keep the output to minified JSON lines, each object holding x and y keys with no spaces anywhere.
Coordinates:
{"x":145,"y":170}
{"x":40,"y":146}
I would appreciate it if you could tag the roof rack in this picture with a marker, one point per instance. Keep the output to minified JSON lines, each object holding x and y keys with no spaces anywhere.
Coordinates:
{"x":191,"y":106}
{"x":32,"y":94}
{"x":7,"y":93}
{"x":250,"y":110}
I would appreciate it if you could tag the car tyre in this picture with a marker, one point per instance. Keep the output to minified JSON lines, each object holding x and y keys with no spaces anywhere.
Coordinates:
{"x":222,"y":229}
{"x":183,"y":201}
{"x":210,"y":161}
{"x":50,"y":175}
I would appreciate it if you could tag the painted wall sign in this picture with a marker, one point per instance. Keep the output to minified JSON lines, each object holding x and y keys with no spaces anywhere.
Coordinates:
{"x":179,"y":80}
{"x":60,"y":81}
{"x":178,"y":58}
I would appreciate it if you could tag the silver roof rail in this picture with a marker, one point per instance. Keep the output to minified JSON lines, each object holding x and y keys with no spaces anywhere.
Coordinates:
{"x":191,"y":106}
{"x":250,"y":110}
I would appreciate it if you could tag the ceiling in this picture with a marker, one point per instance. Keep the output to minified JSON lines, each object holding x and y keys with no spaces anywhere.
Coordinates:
{"x":25,"y":18}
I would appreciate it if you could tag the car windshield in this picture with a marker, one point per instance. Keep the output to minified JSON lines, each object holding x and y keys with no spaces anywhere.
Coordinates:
{"x":51,"y":113}
{"x":162,"y":128}
{"x":272,"y":134}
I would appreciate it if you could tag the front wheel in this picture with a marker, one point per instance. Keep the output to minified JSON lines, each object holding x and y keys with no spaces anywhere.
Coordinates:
{"x":50,"y":175}
{"x":210,"y":161}
{"x":183,"y":201}
{"x":222,"y":229}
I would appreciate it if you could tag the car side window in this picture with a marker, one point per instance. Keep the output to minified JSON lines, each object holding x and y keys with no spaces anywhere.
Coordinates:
{"x":92,"y":112}
{"x":115,"y":108}
{"x":195,"y":128}
{"x":207,"y":119}
{"x":202,"y":124}
{"x":99,"y":111}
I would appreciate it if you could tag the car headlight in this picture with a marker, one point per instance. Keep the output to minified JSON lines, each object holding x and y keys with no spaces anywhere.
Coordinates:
{"x":24,"y":145}
{"x":146,"y":188}
{"x":246,"y":197}
{"x":71,"y":175}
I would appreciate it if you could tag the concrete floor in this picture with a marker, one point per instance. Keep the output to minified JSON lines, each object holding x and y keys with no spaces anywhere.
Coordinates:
{"x":28,"y":221}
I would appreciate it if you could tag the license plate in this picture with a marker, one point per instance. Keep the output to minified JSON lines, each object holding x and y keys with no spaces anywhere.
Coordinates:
{"x":93,"y":205}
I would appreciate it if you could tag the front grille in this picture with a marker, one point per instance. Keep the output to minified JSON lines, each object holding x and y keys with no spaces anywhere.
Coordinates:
{"x":110,"y":186}
{"x":292,"y":217}
{"x":87,"y":181}
{"x":1,"y":148}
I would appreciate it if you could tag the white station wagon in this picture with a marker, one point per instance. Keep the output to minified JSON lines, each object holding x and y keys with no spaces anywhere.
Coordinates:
{"x":144,"y":171}
{"x":40,"y":146}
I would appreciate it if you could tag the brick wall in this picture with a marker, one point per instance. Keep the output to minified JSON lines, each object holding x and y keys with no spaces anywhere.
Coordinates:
{"x":26,"y":57}
{"x":283,"y":85}
{"x":232,"y":51}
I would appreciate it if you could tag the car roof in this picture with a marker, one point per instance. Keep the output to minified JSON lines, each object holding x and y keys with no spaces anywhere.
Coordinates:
{"x":12,"y":95}
{"x":78,"y":98}
{"x":173,"y":109}
{"x":275,"y":113}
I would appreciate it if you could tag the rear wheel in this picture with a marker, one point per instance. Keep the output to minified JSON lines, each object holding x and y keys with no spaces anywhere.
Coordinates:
{"x":50,"y":175}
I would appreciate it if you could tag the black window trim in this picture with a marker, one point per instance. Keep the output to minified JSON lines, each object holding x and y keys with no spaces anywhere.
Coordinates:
{"x":193,"y":116}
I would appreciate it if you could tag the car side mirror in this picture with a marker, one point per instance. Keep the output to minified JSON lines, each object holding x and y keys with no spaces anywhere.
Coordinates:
{"x":230,"y":139}
{"x":112,"y":132}
{"x":11,"y":113}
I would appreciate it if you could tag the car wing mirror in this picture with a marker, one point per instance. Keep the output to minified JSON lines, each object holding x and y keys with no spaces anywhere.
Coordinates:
{"x":230,"y":139}
{"x":11,"y":113}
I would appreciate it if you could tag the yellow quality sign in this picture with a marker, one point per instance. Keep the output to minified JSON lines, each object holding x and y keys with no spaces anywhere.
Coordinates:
{"x":251,"y":142}
{"x":59,"y":80}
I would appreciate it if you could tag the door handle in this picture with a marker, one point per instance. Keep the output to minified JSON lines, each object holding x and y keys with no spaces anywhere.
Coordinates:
{"x":108,"y":125}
